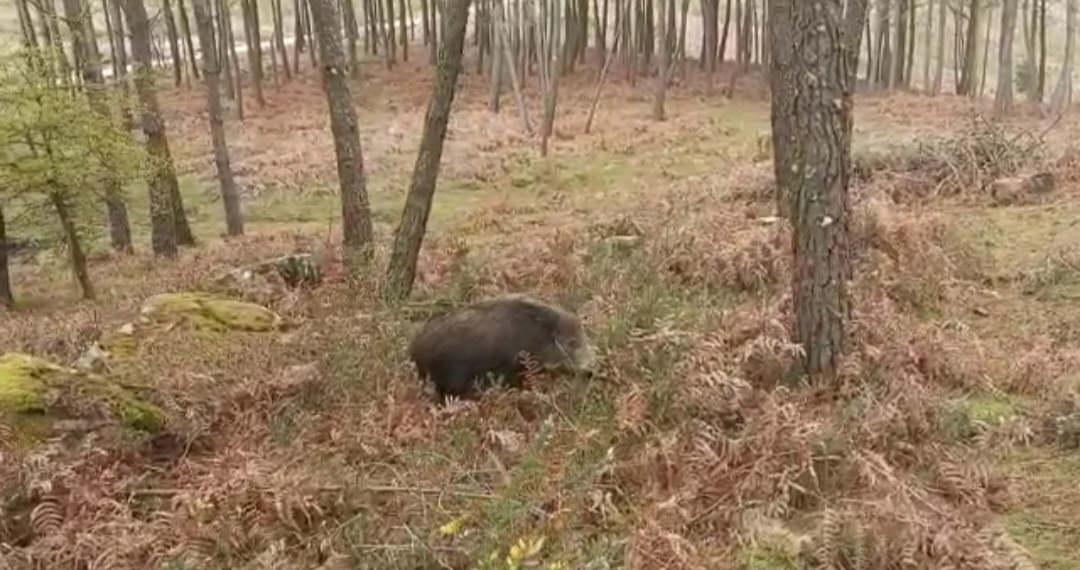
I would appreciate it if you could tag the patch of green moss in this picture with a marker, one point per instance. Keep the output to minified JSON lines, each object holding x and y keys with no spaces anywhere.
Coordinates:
{"x":23,"y":383}
{"x":771,"y":553}
{"x":964,"y":418}
{"x":208,"y":312}
{"x":28,"y":384}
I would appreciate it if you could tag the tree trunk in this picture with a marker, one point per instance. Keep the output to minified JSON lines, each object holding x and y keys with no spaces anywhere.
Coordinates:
{"x":355,"y":208}
{"x":230,"y":195}
{"x":77,"y":256}
{"x":1062,"y":95}
{"x":7,"y":298}
{"x":968,"y":70}
{"x":1040,"y":90}
{"x":250,"y":12}
{"x":928,"y":38}
{"x":169,"y":225}
{"x":855,"y":19}
{"x":939,"y":64}
{"x":1003,"y":98}
{"x":189,"y":45}
{"x":662,"y":65}
{"x":90,"y":67}
{"x":820,"y":169}
{"x":409,"y":235}
{"x":174,"y":42}
{"x":781,"y":88}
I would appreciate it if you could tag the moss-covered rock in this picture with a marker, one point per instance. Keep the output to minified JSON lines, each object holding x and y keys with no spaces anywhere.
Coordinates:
{"x":205,"y":311}
{"x":35,"y":392}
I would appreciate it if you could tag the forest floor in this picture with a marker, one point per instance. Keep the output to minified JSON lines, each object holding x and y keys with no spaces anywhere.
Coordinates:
{"x":948,"y":445}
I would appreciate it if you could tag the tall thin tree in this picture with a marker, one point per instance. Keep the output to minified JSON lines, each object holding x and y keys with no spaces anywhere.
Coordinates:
{"x":358,"y":233}
{"x":230,"y":195}
{"x":409,"y":235}
{"x":169,"y":226}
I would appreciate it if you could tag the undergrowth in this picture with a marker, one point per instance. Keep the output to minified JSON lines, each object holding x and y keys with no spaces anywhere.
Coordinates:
{"x":692,"y":448}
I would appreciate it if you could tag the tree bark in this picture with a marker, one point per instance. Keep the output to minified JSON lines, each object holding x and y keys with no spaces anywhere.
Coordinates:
{"x":174,"y":42}
{"x":939,"y":64}
{"x":166,"y":230}
{"x":230,"y":196}
{"x":1003,"y":97}
{"x":185,"y":29}
{"x":355,"y":208}
{"x":76,"y":255}
{"x":7,"y":298}
{"x":1062,"y":96}
{"x":662,"y":65}
{"x":820,"y":167}
{"x":781,"y":89}
{"x":855,"y":18}
{"x":409,"y":235}
{"x":968,"y":70}
{"x":119,"y":225}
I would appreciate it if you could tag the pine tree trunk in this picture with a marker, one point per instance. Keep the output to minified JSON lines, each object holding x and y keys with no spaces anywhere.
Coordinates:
{"x":409,"y":236}
{"x":7,"y":298}
{"x":230,"y":195}
{"x":355,"y":208}
{"x":168,"y":222}
{"x":820,"y":170}
{"x":1003,"y":98}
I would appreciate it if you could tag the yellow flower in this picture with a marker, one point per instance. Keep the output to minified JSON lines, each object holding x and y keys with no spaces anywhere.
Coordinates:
{"x":453,"y":527}
{"x":526,"y":549}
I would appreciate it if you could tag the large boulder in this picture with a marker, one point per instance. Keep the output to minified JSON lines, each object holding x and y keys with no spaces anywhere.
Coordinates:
{"x":37,"y":395}
{"x":200,"y":311}
{"x":208,"y":312}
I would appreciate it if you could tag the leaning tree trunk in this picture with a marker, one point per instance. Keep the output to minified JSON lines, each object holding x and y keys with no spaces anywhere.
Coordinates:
{"x":76,"y":254}
{"x":1062,"y":95}
{"x":230,"y":195}
{"x":409,"y":235}
{"x":7,"y":299}
{"x":1003,"y":98}
{"x":355,"y":209}
{"x":169,"y":225}
{"x":820,"y":166}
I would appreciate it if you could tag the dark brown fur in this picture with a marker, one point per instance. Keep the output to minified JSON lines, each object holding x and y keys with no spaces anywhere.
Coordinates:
{"x":462,"y":350}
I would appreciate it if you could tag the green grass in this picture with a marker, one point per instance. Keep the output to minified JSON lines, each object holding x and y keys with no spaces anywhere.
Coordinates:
{"x":1046,"y":523}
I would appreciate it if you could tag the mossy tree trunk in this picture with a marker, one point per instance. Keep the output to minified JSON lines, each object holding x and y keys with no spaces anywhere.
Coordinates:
{"x":355,"y":209}
{"x":7,"y":298}
{"x":230,"y":196}
{"x":820,"y":167}
{"x":409,"y":235}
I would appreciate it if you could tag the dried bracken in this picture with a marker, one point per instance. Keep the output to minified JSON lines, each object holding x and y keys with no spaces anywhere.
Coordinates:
{"x":692,"y":447}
